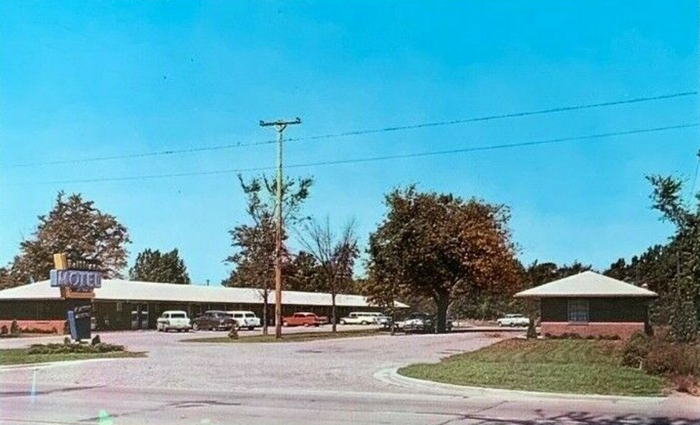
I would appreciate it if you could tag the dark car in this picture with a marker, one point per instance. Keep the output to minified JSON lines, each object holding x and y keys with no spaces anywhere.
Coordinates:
{"x":421,"y":322}
{"x":214,"y":320}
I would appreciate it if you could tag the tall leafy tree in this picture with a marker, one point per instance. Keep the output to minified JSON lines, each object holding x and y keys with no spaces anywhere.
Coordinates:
{"x":685,"y":301}
{"x":540,"y":273}
{"x":443,"y":247}
{"x":335,"y":255}
{"x":254,"y":242}
{"x":304,"y":273}
{"x":154,"y":266}
{"x":74,"y":226}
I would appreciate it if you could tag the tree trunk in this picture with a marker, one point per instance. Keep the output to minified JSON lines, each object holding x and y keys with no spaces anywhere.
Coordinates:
{"x":333,"y":311}
{"x":442,"y":302}
{"x":264,"y":318}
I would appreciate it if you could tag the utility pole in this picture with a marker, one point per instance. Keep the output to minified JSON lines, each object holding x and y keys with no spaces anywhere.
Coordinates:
{"x":280,"y":126}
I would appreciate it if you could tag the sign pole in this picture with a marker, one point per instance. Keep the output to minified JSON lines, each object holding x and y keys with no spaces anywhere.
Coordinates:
{"x":77,"y":289}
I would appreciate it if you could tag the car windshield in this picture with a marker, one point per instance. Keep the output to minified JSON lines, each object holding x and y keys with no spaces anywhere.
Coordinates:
{"x":177,"y":315}
{"x":249,"y":315}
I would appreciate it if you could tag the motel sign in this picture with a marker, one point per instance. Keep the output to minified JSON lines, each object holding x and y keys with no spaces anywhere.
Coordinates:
{"x":76,"y":280}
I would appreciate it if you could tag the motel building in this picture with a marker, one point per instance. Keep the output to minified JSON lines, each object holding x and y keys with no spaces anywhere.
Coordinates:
{"x":123,"y":304}
{"x":591,"y":304}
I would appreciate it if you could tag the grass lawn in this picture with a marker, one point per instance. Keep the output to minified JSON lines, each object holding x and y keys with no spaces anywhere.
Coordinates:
{"x":290,"y":337}
{"x":20,"y":356}
{"x":568,"y":366}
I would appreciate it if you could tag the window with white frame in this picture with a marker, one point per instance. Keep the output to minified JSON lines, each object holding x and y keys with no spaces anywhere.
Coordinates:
{"x":578,"y":310}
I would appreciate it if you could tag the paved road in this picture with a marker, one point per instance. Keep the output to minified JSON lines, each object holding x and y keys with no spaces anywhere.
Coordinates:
{"x":320,"y":382}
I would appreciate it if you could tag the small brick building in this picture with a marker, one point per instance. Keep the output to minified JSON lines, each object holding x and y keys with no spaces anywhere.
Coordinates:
{"x":591,"y":304}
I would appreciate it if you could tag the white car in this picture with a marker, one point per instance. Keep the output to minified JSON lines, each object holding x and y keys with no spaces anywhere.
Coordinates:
{"x":513,"y":320}
{"x":173,"y":319}
{"x":362,"y":318}
{"x":245,"y":319}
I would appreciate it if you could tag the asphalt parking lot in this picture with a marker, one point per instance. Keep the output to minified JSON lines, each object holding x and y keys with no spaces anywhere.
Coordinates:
{"x":296,"y":383}
{"x":341,"y":364}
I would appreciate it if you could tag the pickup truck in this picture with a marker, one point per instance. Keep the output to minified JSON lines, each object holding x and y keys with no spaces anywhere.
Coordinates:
{"x":304,"y":319}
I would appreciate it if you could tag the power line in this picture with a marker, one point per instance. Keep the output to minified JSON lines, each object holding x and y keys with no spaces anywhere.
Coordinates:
{"x":497,"y":117}
{"x":381,"y":158}
{"x":359,"y":132}
{"x":143,"y":154}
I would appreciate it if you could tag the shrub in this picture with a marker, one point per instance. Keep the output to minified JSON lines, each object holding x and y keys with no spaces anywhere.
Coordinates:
{"x":661,"y":355}
{"x":14,"y":328}
{"x":609,"y":337}
{"x":38,"y":331}
{"x":684,"y":321}
{"x":636,"y":350}
{"x":233,"y":334}
{"x":96,"y":340}
{"x":673,"y":359}
{"x":73,"y":348}
{"x":686,"y":384}
{"x":4,"y":330}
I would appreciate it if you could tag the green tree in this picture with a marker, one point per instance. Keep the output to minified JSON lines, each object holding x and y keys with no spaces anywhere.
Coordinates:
{"x":335,"y":255}
{"x":303,"y":273}
{"x":443,"y":247}
{"x":153,"y":266}
{"x":685,"y":292}
{"x":254,"y":242}
{"x":74,"y":226}
{"x":540,"y":273}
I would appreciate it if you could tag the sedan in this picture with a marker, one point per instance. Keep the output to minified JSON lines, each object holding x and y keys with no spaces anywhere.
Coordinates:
{"x":214,"y":320}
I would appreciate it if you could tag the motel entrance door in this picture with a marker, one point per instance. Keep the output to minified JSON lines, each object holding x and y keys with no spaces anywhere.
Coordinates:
{"x":139,"y":317}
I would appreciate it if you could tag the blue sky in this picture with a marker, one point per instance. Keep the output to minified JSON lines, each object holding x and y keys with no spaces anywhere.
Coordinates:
{"x":84,"y":79}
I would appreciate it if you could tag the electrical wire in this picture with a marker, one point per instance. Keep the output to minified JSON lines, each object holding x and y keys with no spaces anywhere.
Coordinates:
{"x":379,"y":158}
{"x":169,"y":152}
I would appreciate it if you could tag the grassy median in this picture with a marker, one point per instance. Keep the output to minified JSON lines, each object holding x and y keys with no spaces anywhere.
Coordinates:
{"x":22,"y":356}
{"x":567,"y":366}
{"x":290,"y":337}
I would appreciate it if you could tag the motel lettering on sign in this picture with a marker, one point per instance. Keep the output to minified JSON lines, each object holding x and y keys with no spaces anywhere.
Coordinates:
{"x":77,"y":280}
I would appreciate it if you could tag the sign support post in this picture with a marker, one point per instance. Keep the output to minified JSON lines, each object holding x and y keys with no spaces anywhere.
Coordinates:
{"x":77,"y":288}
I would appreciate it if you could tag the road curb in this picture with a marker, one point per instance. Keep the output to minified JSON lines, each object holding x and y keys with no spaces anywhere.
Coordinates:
{"x":392,"y":377}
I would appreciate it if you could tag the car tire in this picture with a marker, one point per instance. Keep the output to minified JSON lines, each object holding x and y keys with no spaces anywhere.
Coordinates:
{"x":251,"y":328}
{"x":342,"y":322}
{"x":285,"y":324}
{"x":364,"y":322}
{"x":195,"y":327}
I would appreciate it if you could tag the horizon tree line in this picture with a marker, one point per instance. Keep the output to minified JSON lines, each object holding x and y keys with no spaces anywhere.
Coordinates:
{"x":442,"y":252}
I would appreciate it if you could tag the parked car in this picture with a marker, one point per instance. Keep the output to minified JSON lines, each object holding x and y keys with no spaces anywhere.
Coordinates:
{"x":362,"y":318}
{"x":421,"y":322}
{"x":513,"y":320}
{"x":304,"y":319}
{"x":384,"y":320}
{"x":245,"y":319}
{"x":214,"y":320}
{"x":173,"y":319}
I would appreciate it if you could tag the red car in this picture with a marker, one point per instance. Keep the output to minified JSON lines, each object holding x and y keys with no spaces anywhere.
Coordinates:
{"x":304,"y":319}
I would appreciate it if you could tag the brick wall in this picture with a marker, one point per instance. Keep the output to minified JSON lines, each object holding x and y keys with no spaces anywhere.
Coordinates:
{"x":55,"y":326}
{"x":622,"y":329}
